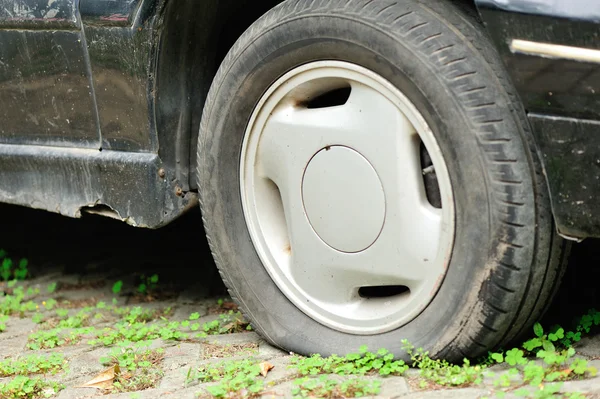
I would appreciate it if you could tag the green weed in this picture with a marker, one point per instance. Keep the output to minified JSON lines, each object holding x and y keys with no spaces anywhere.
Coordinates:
{"x":32,"y":364}
{"x":48,"y":339}
{"x":16,"y":303}
{"x":138,"y":365}
{"x":23,"y":387}
{"x":361,"y":363}
{"x":49,"y":304}
{"x":327,"y":387}
{"x":227,"y":323}
{"x":543,"y":379}
{"x":147,"y":284}
{"x":116,"y":288}
{"x":52,"y":287}
{"x":238,"y":377}
{"x":441,"y":372}
{"x":9,"y":271}
{"x":138,"y":332}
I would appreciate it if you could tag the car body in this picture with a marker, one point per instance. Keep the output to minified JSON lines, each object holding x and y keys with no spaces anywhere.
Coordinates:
{"x":290,"y":135}
{"x":101,"y":101}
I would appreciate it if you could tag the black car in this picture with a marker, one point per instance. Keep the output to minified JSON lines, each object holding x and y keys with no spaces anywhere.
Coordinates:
{"x":367,"y":170}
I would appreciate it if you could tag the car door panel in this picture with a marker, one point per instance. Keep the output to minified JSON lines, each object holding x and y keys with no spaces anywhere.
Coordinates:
{"x":120,"y":44}
{"x":45,"y":92}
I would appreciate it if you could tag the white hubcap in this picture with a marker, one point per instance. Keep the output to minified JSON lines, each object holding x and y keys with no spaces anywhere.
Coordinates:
{"x":335,"y":200}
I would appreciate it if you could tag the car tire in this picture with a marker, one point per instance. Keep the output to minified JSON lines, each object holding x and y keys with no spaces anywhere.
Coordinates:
{"x":504,"y":260}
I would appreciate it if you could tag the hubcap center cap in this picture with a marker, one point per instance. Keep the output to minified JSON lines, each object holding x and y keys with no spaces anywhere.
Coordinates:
{"x":343,"y":199}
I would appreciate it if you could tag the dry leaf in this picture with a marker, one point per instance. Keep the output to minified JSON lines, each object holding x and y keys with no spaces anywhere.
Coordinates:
{"x":229,"y":306}
{"x":104,"y":380}
{"x":265,"y":367}
{"x":229,"y":326}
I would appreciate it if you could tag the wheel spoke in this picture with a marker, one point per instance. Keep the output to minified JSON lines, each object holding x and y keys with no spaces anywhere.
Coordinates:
{"x":405,"y":258}
{"x":369,"y":121}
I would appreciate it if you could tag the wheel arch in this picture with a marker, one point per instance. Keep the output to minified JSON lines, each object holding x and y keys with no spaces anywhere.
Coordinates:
{"x":193,"y":39}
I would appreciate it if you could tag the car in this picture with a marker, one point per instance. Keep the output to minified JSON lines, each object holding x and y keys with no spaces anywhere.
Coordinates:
{"x":367,"y":170}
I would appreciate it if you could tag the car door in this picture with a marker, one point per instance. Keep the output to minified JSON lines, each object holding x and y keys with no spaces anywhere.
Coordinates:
{"x":551,"y":49}
{"x":46,"y":95}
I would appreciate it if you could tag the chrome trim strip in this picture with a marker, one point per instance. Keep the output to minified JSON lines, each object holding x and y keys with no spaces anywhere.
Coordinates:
{"x":550,"y":50}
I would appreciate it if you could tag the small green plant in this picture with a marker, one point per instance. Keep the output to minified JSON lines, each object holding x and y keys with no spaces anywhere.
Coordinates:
{"x":542,"y":379}
{"x":138,"y":314}
{"x":21,"y":271}
{"x":3,"y":320}
{"x":441,"y":372}
{"x":232,"y":378}
{"x":37,"y":318}
{"x":8,"y":270}
{"x":48,"y":339}
{"x":52,"y":287}
{"x":138,"y":331}
{"x":227,"y":323}
{"x":16,"y":303}
{"x":361,"y":363}
{"x":49,"y":304}
{"x":138,"y":366}
{"x":583,"y":325}
{"x":32,"y":364}
{"x":116,"y":288}
{"x":147,"y":284}
{"x":327,"y":387}
{"x":543,"y":341}
{"x":23,"y":387}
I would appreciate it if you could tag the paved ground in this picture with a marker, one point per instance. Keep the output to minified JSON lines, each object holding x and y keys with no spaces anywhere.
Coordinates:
{"x":86,"y":257}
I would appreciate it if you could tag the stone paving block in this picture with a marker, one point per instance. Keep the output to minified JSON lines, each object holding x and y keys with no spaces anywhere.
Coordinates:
{"x":266,"y":350}
{"x":280,"y":372}
{"x":174,"y":379}
{"x":589,"y":346}
{"x":182,"y":353}
{"x":464,"y":393}
{"x":285,"y":388}
{"x":591,"y":385}
{"x":13,"y":346}
{"x":80,"y":393}
{"x":176,"y":364}
{"x":392,"y":387}
{"x":156,"y":393}
{"x":237,"y":338}
{"x":16,"y":326}
{"x":83,"y":366}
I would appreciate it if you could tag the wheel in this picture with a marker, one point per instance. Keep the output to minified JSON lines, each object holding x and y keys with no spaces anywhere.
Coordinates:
{"x":366,"y":175}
